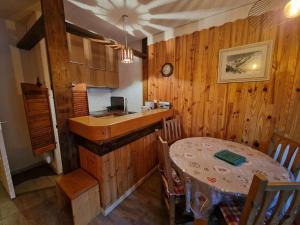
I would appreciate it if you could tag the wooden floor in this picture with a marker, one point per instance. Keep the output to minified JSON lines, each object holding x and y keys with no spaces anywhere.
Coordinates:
{"x":143,"y":207}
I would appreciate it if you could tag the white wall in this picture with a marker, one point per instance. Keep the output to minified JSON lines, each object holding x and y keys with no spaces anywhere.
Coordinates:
{"x":130,"y":86}
{"x":131,"y":81}
{"x":99,"y":98}
{"x":16,"y":134}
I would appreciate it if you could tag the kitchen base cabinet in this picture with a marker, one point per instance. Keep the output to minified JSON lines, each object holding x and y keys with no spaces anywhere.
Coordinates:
{"x":120,"y":170}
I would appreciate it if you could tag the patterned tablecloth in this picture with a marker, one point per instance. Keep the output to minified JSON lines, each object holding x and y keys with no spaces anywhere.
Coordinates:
{"x":216,"y":178}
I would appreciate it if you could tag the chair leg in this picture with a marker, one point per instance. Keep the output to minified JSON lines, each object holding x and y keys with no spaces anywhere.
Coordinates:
{"x":172,"y":211}
{"x":162,"y":195}
{"x":200,"y":222}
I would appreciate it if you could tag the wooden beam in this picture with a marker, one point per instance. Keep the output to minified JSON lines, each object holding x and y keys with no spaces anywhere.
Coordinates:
{"x":36,"y":33}
{"x":79,"y":31}
{"x":33,"y":35}
{"x":145,"y":69}
{"x":57,"y":50}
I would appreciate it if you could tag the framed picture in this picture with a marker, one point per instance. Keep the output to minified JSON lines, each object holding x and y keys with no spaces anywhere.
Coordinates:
{"x":246,"y":63}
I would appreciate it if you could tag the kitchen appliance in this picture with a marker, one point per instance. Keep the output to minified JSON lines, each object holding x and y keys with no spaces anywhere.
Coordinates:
{"x":164,"y":105}
{"x":116,"y":103}
{"x":149,"y":104}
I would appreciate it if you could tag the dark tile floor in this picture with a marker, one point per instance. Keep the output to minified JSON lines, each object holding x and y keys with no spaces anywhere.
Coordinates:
{"x":143,"y":207}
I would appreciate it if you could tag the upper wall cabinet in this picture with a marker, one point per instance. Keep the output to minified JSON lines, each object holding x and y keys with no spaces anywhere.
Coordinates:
{"x":76,"y":49}
{"x":111,"y":59}
{"x":92,"y":63}
{"x":97,"y":56}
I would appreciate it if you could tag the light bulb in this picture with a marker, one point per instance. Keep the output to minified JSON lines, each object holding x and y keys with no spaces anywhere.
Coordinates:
{"x":292,"y":9}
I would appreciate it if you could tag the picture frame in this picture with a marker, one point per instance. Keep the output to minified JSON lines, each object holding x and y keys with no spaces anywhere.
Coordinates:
{"x":246,"y":63}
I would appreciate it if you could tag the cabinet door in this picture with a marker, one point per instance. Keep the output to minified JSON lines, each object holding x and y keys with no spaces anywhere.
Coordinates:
{"x":76,"y":49}
{"x":111,"y":59}
{"x":97,"y":78}
{"x":112,"y":71}
{"x":97,"y":57}
{"x":79,"y":73}
{"x":111,"y":79}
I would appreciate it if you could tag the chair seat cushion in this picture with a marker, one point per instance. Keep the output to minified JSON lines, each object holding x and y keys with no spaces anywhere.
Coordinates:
{"x":178,"y":184}
{"x":231,"y":212}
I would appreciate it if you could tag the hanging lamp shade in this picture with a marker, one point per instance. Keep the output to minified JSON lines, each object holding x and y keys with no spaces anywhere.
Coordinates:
{"x":126,"y":55}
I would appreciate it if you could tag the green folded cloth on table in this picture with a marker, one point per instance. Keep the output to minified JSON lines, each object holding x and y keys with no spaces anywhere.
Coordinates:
{"x":230,"y":157}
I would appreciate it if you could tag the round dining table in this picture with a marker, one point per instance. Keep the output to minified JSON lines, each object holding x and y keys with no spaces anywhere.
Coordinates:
{"x":216,"y":179}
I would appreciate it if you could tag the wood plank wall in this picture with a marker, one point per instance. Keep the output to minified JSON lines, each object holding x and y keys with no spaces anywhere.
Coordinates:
{"x":243,"y":112}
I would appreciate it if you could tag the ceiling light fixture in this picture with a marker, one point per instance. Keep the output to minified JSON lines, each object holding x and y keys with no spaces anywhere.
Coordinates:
{"x":126,"y":53}
{"x":292,"y":9}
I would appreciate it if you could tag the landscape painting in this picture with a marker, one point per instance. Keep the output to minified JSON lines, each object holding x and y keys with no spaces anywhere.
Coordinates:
{"x":245,"y":63}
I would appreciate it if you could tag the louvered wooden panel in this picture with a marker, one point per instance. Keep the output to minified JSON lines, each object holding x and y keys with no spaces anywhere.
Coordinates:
{"x":80,"y":100}
{"x":39,"y":119}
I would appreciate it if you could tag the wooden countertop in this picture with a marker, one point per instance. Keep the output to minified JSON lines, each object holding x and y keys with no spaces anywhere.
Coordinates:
{"x":108,"y":127}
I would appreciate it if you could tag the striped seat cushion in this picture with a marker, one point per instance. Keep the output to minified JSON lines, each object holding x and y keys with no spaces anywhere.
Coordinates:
{"x":178,"y":185}
{"x":231,"y":212}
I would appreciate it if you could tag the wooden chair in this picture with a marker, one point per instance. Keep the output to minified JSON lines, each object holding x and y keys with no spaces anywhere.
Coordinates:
{"x":173,"y":187}
{"x":286,"y":151}
{"x":257,"y":207}
{"x":172,"y":130}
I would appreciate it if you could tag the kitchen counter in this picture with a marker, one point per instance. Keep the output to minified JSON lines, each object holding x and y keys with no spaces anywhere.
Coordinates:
{"x":109,"y":127}
{"x":120,"y":151}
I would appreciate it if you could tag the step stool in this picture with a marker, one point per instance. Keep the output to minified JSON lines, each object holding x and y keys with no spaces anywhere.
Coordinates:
{"x":82,"y":191}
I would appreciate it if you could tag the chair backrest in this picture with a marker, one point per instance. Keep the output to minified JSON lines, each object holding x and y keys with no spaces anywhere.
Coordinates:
{"x":172,"y":129}
{"x":262,"y":195}
{"x":165,"y":163}
{"x":286,"y":152}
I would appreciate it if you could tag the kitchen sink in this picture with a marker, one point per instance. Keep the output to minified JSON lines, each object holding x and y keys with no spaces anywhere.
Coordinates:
{"x":112,"y":114}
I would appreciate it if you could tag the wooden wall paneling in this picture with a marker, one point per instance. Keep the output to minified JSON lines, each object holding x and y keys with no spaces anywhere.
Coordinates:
{"x":56,"y":42}
{"x":150,"y":71}
{"x":284,"y":75}
{"x":145,"y":69}
{"x":162,"y":81}
{"x":76,"y":49}
{"x":224,"y":42}
{"x":293,"y":122}
{"x":199,"y":87}
{"x":244,"y":112}
{"x":265,"y":117}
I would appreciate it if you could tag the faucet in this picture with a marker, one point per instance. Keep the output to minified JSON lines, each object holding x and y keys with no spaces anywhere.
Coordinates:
{"x":126,"y":106}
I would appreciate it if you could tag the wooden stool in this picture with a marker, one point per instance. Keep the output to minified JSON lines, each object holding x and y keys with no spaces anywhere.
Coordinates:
{"x":82,"y":191}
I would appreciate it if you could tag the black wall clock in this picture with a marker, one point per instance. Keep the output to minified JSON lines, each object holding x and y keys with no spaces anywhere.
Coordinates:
{"x":167,"y":69}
